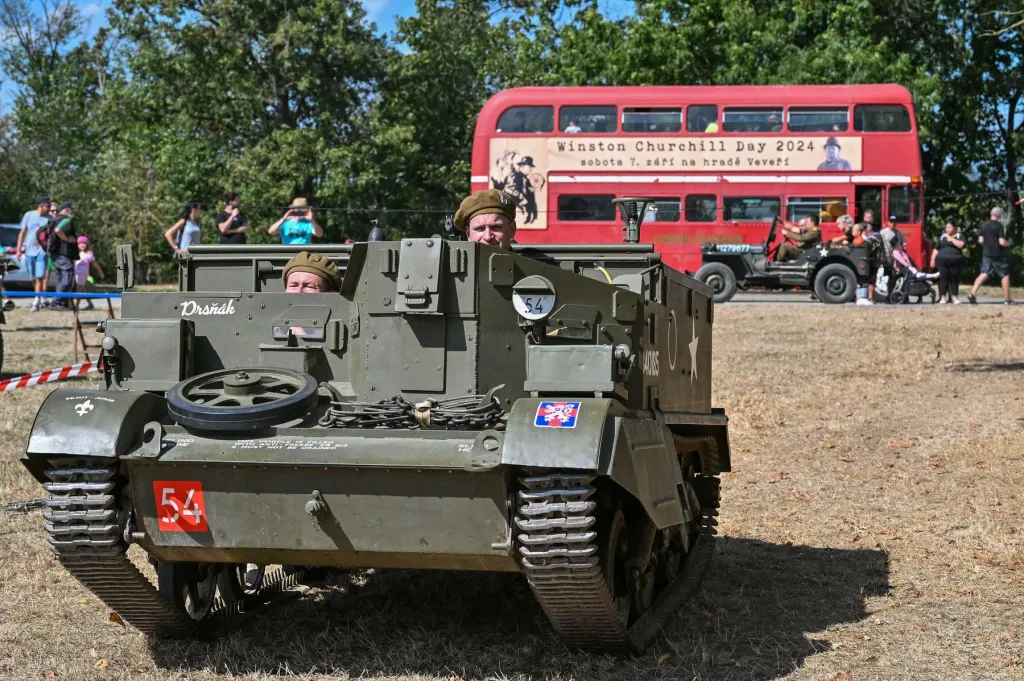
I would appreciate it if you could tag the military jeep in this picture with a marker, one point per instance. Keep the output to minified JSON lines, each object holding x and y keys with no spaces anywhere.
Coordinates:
{"x":832,"y":272}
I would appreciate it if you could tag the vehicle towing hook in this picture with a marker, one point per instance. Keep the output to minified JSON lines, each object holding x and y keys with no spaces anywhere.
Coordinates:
{"x":315,"y":507}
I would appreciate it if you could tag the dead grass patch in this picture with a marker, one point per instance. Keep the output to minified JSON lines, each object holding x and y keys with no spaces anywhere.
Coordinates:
{"x":871,"y":530}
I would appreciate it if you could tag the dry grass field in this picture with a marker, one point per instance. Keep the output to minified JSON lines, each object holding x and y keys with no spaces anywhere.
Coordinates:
{"x":871,"y":529}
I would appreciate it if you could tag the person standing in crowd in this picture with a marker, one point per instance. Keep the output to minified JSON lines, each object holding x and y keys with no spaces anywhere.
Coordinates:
{"x":53,"y":218}
{"x":994,"y":262}
{"x":86,"y":263}
{"x":32,"y":252}
{"x":297,"y":225}
{"x":63,"y":250}
{"x":231,"y":222}
{"x":948,"y":258}
{"x":185,"y":232}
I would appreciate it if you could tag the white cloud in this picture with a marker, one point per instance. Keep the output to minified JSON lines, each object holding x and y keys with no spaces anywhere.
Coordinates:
{"x":375,"y":8}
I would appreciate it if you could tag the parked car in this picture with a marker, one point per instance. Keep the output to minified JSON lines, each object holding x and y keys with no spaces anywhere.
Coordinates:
{"x":8,"y":241}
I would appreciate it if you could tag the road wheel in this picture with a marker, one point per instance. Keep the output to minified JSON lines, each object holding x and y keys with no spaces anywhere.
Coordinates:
{"x":720,"y":278}
{"x":835,"y":284}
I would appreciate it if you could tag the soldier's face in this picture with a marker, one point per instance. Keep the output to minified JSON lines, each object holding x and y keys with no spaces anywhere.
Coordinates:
{"x":492,"y":230}
{"x":305,"y":282}
{"x":831,"y":152}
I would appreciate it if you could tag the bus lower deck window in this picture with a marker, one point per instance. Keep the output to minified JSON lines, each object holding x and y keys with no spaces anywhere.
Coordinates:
{"x":663,"y":210}
{"x":584,"y":119}
{"x":701,"y":208}
{"x":586,"y":208}
{"x":651,"y":120}
{"x":828,"y":209}
{"x":881,"y":118}
{"x":818,"y":119}
{"x":754,"y":209}
{"x":527,"y":119}
{"x":763,"y":119}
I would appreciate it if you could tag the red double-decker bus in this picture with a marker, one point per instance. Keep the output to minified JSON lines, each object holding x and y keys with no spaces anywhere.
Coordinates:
{"x":722,"y":161}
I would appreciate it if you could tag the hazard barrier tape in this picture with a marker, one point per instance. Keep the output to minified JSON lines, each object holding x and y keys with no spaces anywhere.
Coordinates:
{"x":58,"y":374}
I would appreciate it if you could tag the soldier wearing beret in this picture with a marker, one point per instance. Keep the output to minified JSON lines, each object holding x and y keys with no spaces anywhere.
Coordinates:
{"x":488,"y":217}
{"x":311,"y":273}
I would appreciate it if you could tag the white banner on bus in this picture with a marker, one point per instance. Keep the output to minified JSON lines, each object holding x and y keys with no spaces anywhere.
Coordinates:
{"x":520,"y":165}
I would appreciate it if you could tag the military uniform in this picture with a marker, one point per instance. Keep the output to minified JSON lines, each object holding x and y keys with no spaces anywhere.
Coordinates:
{"x":805,"y":240}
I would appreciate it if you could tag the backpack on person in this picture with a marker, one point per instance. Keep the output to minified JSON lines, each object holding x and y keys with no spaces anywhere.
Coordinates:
{"x":44,"y":235}
{"x":54,"y":244}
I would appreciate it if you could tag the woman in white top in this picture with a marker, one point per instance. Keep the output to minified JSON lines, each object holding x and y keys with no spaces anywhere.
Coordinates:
{"x":185,"y":231}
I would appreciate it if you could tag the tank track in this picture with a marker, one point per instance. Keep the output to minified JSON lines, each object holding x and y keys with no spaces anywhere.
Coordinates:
{"x":84,"y":530}
{"x":558,"y":549}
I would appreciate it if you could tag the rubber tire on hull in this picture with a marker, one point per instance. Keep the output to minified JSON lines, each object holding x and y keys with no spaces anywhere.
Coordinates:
{"x":720,"y":278}
{"x":835,"y":284}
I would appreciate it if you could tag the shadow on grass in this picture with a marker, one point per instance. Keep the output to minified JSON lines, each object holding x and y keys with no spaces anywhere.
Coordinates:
{"x":988,"y":367}
{"x":750,"y":620}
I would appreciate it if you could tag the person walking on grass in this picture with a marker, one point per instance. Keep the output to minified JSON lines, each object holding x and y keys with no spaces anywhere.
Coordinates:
{"x":994,"y":260}
{"x":84,"y":267}
{"x":948,"y":258}
{"x":32,"y":252}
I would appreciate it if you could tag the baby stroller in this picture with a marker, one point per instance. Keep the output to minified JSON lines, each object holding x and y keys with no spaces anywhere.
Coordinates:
{"x":910,"y":281}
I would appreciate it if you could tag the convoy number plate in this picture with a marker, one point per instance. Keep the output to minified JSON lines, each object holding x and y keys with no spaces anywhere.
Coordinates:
{"x":179,"y":505}
{"x":533,"y":306}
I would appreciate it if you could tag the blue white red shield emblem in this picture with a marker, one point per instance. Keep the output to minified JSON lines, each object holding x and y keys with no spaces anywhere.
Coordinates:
{"x":557,"y":414}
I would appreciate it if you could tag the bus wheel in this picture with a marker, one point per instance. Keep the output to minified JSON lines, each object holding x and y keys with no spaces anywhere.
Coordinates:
{"x":835,"y":284}
{"x":720,"y":278}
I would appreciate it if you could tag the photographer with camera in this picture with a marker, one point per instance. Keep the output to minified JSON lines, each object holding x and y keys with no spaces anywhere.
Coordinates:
{"x":297,"y":226}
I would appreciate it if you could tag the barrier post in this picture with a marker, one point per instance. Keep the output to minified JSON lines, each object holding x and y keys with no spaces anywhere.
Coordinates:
{"x":78,"y":332}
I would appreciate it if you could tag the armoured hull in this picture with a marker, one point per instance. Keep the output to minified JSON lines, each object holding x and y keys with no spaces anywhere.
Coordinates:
{"x":451,"y":407}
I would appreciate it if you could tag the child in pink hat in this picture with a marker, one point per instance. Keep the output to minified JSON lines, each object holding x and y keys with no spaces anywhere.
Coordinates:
{"x":86,"y":262}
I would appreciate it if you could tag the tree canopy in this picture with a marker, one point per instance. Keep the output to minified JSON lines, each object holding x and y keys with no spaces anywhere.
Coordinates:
{"x":185,"y":99}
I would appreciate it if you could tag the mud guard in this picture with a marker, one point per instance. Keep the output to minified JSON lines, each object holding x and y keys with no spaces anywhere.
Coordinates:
{"x":638,"y":454}
{"x":100,"y":423}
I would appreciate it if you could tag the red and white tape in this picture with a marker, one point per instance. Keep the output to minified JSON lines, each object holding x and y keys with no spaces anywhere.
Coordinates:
{"x":58,"y":374}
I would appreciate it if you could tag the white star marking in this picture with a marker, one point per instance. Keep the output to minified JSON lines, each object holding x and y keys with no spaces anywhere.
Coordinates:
{"x":693,"y":353}
{"x":824,"y":252}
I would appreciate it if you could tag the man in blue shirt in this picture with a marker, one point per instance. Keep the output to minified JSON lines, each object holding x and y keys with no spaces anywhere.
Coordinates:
{"x":34,"y":253}
{"x":297,"y":226}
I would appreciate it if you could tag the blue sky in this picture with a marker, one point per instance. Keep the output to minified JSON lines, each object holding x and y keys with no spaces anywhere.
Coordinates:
{"x":381,"y":12}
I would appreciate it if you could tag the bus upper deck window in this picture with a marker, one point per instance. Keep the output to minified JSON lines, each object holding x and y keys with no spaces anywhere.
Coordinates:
{"x":818,"y":119}
{"x":651,"y":120}
{"x":748,"y":119}
{"x":527,"y":119}
{"x":881,"y":118}
{"x":584,"y":119}
{"x":750,"y":209}
{"x":700,"y":118}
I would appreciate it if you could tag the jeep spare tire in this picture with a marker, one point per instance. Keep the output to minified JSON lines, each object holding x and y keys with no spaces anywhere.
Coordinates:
{"x":835,"y":284}
{"x":720,"y":278}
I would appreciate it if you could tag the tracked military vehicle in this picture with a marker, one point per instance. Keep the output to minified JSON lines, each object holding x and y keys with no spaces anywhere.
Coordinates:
{"x":453,"y":406}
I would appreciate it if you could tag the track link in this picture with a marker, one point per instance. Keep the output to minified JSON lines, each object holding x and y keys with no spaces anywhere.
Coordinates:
{"x":85,"y":533}
{"x":558,"y":546}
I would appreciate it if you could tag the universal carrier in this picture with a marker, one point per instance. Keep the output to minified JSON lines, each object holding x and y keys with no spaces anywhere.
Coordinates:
{"x":454,"y":406}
